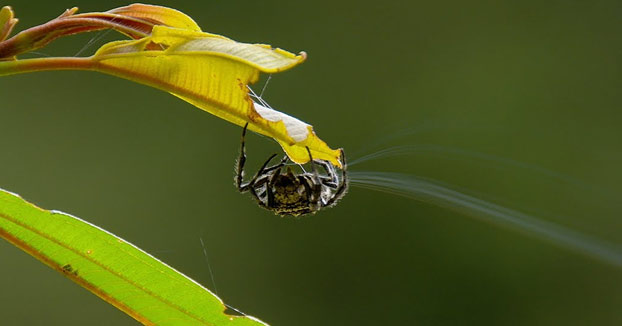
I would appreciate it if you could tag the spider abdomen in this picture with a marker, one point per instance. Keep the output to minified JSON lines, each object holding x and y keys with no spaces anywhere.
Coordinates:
{"x":290,"y":196}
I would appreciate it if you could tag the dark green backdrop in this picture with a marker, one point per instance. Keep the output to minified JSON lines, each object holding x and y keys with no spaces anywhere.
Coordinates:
{"x":532,"y":81}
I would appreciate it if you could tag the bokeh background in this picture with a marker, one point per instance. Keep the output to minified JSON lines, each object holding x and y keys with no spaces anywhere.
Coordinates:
{"x":531,"y":81}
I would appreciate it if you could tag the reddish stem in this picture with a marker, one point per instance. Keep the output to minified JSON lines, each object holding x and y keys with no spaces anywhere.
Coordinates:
{"x":43,"y":64}
{"x":39,"y":36}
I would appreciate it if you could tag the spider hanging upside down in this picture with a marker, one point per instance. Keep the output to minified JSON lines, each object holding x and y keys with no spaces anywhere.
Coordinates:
{"x":290,"y":194}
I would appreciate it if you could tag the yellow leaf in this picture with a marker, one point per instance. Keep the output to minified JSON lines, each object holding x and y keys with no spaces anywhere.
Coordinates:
{"x":7,"y":22}
{"x":170,"y":52}
{"x":212,"y":72}
{"x":158,"y":15}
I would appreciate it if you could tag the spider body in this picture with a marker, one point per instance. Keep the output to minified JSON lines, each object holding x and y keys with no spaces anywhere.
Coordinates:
{"x":289,"y":193}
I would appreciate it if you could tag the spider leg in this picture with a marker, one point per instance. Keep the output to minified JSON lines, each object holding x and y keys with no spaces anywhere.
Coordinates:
{"x":331,"y":179}
{"x":262,"y":172}
{"x":257,"y":198}
{"x":316,"y":185}
{"x":253,"y":190}
{"x":343,"y":185}
{"x":239,"y":168}
{"x":261,"y":181}
{"x":273,"y":178}
{"x":239,"y":179}
{"x":329,"y":182}
{"x":274,"y":175}
{"x":278,"y":165}
{"x":329,"y":168}
{"x":307,"y":182}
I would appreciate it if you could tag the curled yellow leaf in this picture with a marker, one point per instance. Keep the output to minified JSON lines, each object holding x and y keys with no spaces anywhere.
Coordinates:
{"x":170,"y":52}
{"x":213,"y":72}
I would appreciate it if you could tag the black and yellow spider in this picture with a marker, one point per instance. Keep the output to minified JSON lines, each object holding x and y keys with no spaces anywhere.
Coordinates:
{"x":289,"y":193}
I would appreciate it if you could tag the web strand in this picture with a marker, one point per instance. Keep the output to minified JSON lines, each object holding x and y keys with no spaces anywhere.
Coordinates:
{"x":434,"y":192}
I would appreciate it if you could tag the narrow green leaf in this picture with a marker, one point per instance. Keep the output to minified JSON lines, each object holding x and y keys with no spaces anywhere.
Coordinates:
{"x":113,"y":269}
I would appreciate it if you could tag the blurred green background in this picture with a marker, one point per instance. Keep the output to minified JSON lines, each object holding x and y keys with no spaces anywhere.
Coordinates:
{"x":532,"y":81}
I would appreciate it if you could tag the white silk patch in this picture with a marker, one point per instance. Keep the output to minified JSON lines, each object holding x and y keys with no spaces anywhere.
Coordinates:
{"x":296,"y":129}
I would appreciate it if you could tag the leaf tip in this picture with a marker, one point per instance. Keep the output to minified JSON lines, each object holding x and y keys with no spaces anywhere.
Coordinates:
{"x":69,"y":12}
{"x":303,"y":56}
{"x":7,"y":22}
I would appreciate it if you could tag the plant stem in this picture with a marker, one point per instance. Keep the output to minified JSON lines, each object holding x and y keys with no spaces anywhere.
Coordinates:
{"x":44,"y":64}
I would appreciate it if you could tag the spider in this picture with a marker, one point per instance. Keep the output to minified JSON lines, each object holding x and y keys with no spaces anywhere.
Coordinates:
{"x":289,"y":193}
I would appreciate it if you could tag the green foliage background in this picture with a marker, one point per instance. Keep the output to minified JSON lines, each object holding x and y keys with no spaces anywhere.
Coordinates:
{"x":530,"y":81}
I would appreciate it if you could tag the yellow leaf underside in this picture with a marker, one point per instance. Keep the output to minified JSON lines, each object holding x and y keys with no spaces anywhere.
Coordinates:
{"x":212,"y":81}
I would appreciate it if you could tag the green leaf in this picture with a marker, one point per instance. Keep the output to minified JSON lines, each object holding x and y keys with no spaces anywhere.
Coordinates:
{"x":113,"y":269}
